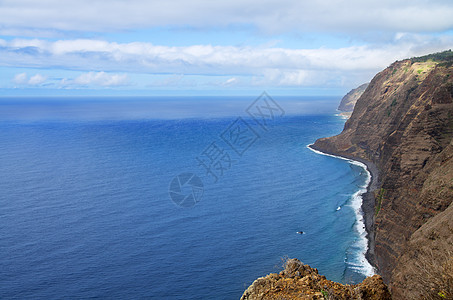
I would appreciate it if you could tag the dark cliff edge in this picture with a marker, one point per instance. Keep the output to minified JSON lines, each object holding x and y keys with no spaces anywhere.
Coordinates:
{"x":403,"y":124}
{"x":401,"y":128}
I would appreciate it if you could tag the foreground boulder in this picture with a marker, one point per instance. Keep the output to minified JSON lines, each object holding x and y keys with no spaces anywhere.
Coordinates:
{"x":299,"y":281}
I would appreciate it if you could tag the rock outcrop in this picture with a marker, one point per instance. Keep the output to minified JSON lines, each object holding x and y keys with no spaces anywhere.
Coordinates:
{"x":299,"y":281}
{"x":403,"y":123}
{"x":348,"y":102}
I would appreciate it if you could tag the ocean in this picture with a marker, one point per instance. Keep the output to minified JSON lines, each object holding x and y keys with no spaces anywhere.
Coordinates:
{"x":172,"y":197}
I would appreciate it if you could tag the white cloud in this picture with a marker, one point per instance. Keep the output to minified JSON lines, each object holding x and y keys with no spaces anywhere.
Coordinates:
{"x":289,"y":77}
{"x":269,"y":16}
{"x":37,"y":79}
{"x":231,"y":81}
{"x":23,"y":79}
{"x":208,"y":59}
{"x":99,"y":79}
{"x":199,"y":59}
{"x":20,"y":78}
{"x":266,"y":65}
{"x":404,"y":28}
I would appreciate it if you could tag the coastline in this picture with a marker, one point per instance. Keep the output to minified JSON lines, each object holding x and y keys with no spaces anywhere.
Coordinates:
{"x":367,"y":200}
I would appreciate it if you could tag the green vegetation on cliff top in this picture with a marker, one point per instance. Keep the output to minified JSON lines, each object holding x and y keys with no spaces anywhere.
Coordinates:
{"x":445,"y":56}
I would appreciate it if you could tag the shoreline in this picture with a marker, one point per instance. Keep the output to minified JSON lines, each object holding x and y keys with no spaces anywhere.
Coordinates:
{"x":367,"y":201}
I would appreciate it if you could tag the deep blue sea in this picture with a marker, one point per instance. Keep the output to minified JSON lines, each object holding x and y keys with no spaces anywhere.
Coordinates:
{"x":171,"y":197}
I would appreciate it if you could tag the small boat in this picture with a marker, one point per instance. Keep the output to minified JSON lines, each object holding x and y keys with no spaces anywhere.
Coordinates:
{"x":300,"y":232}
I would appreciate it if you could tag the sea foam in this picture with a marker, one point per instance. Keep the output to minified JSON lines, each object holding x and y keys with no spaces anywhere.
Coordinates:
{"x":360,"y":263}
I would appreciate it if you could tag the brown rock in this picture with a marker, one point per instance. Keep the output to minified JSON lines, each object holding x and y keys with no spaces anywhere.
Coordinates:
{"x":348,"y":102}
{"x":403,"y":123}
{"x":313,"y":286}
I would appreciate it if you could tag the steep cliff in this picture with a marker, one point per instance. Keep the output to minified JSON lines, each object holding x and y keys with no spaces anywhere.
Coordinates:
{"x":348,"y":102}
{"x":403,"y":123}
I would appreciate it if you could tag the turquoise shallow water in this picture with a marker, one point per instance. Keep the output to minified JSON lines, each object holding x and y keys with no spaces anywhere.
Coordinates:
{"x":86,"y":212}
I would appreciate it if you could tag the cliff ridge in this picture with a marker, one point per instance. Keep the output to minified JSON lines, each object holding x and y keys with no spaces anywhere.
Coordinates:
{"x":403,"y":123}
{"x":402,"y":127}
{"x":348,"y":102}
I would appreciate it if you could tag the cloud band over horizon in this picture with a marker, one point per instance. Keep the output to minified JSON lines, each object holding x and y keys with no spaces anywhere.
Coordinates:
{"x":129,"y":45}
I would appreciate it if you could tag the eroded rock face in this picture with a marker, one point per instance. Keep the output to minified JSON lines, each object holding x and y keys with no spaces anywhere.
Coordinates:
{"x":299,"y":281}
{"x":425,"y":269}
{"x":350,"y":99}
{"x":403,"y":123}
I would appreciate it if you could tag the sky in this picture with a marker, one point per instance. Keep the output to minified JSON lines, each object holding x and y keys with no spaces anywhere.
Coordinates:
{"x":199,"y":47}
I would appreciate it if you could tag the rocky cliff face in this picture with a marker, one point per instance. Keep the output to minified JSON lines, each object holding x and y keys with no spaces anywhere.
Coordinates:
{"x":403,"y":123}
{"x":348,"y":102}
{"x":299,"y":281}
